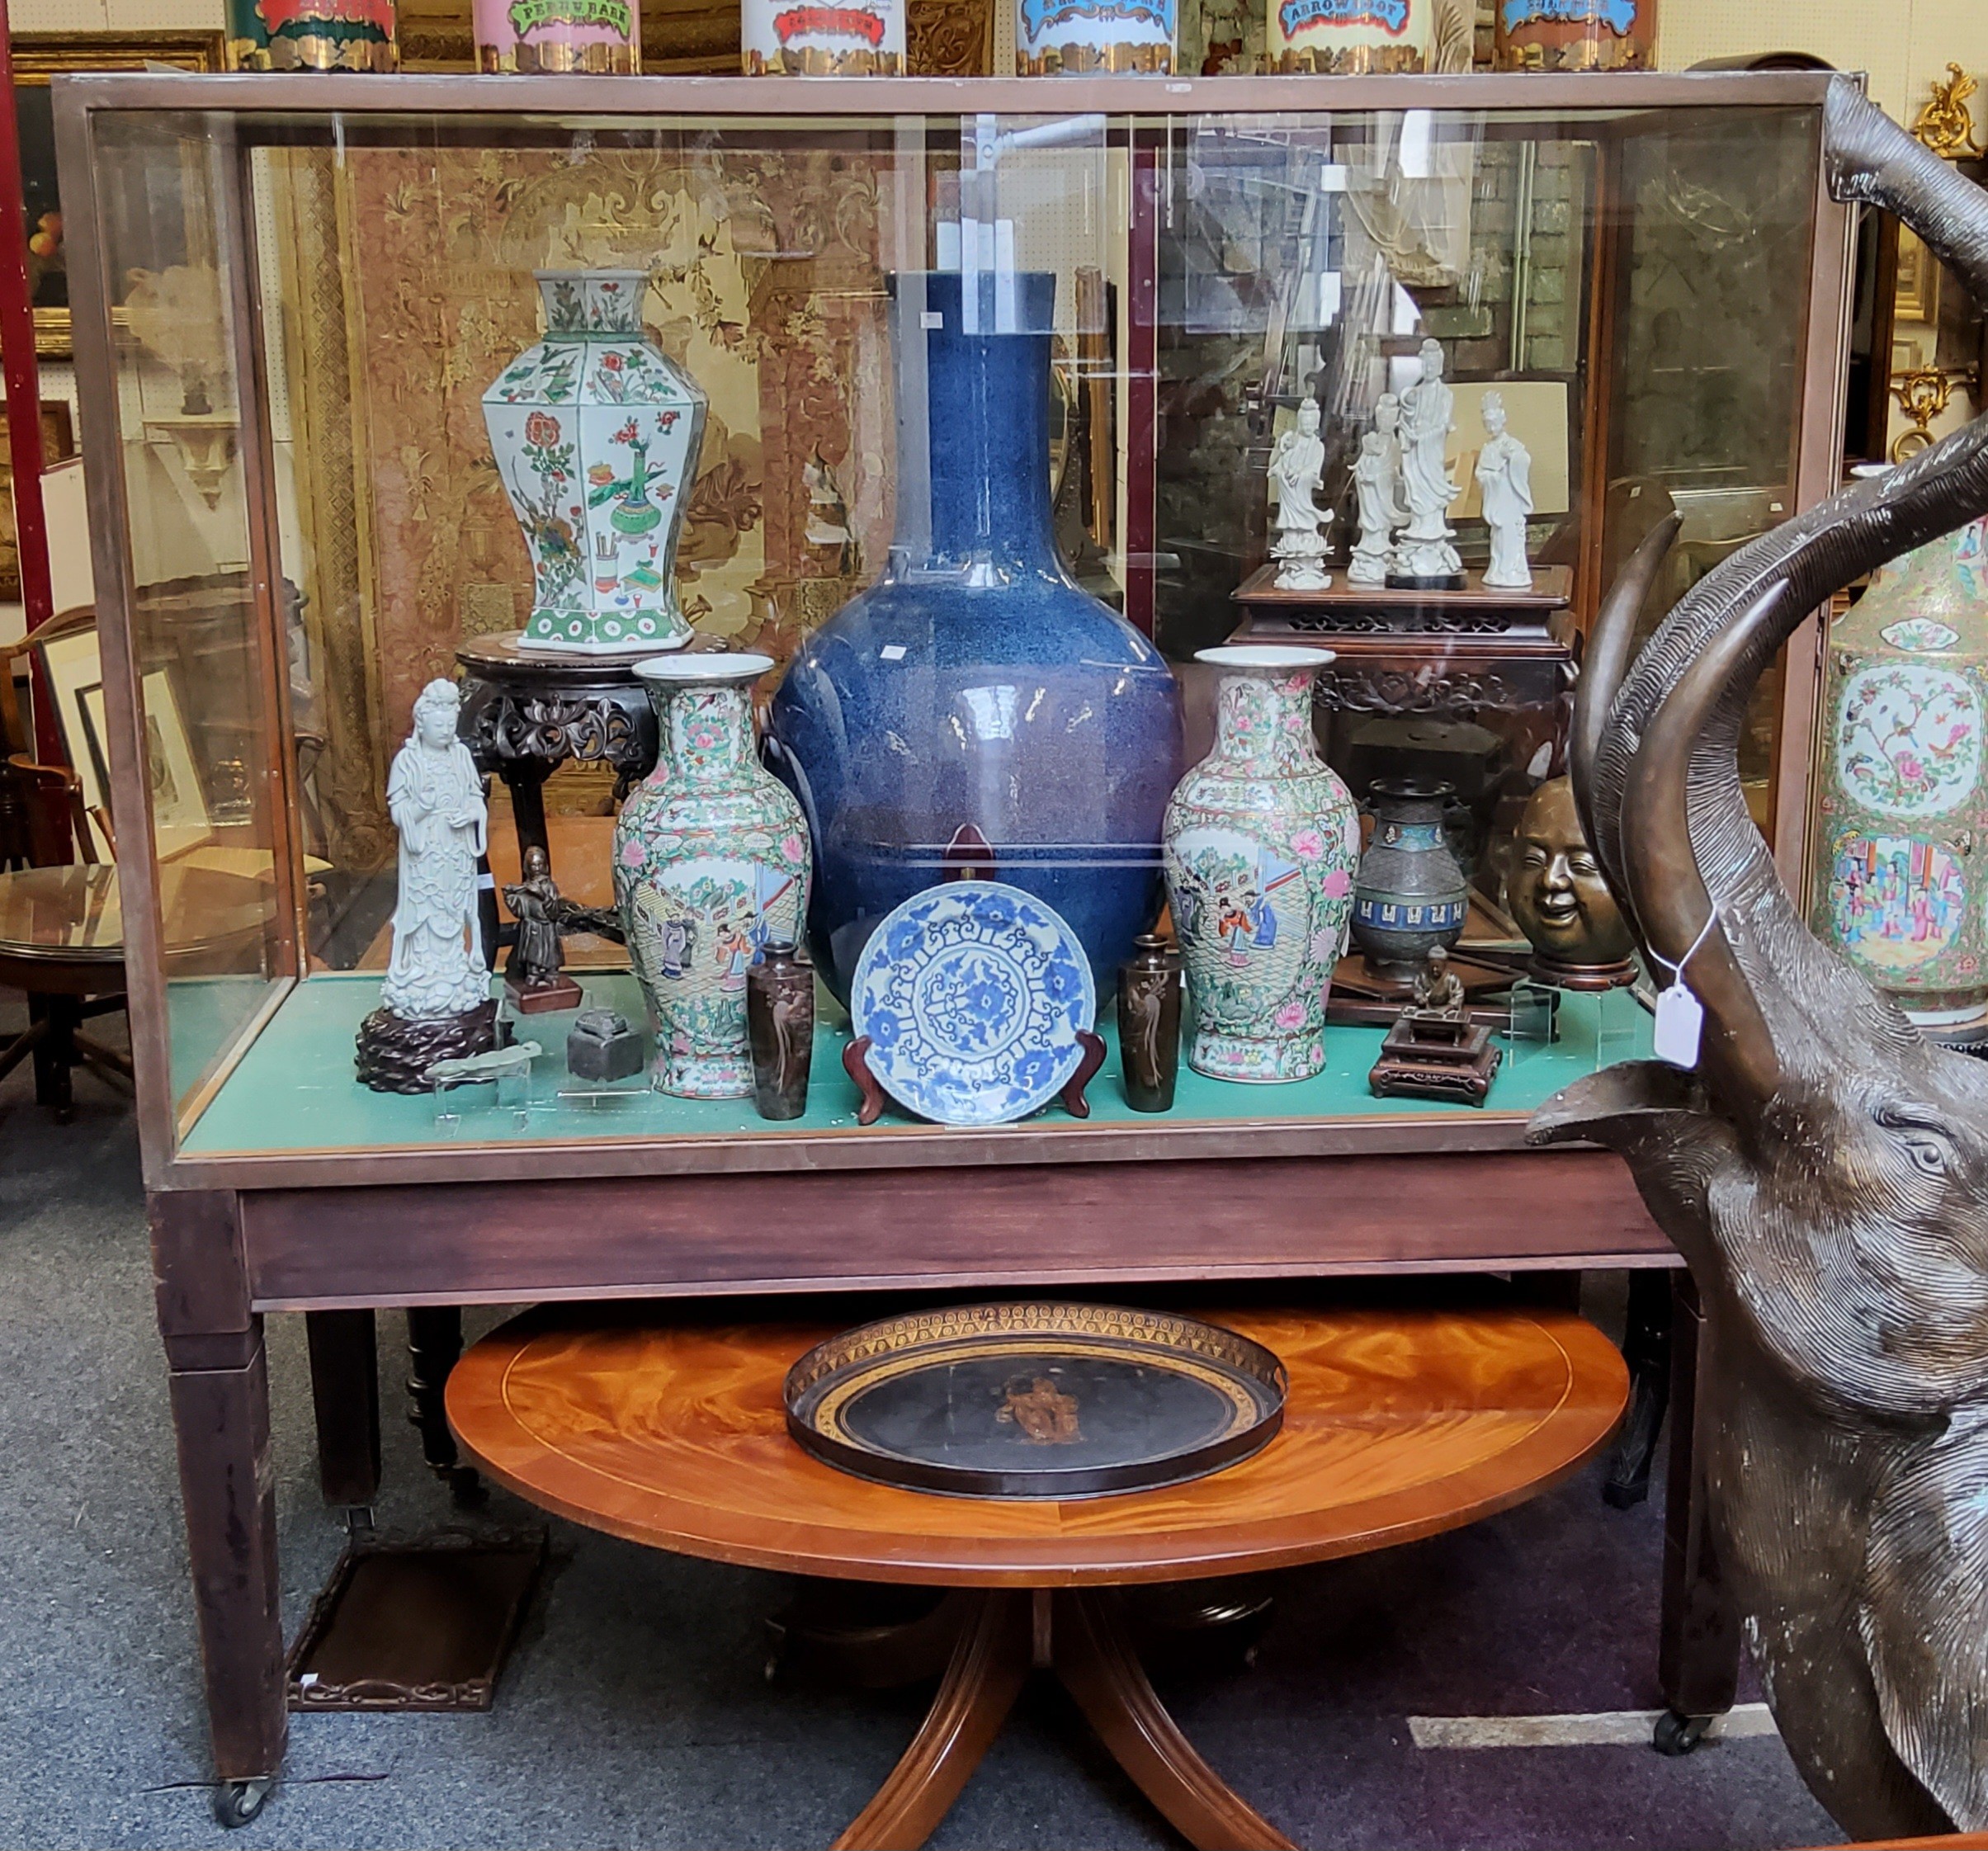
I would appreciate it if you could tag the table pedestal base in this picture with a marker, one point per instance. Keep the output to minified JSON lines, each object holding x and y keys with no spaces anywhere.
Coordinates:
{"x":1081,"y":1636}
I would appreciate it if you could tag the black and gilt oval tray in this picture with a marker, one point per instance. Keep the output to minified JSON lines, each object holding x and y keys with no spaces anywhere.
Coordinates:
{"x":1035,"y":1400}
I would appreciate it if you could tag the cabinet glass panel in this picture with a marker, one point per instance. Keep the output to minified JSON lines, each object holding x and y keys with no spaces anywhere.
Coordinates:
{"x":216,"y":748}
{"x":967,"y":423}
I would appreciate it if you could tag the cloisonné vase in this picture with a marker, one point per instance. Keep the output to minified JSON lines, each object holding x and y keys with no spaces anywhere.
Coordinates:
{"x":1411,"y":894}
{"x":711,"y":861}
{"x":595,"y":431}
{"x":1262,"y":839}
{"x":1902,"y":863}
{"x":974,"y":707}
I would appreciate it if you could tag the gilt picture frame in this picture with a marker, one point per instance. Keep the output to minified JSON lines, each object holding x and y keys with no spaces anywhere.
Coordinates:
{"x":38,"y":58}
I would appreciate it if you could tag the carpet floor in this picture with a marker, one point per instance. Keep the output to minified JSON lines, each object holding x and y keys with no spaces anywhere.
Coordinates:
{"x":636,"y":1713}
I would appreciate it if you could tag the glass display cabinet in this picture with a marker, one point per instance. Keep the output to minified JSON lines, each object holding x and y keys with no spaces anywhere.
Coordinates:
{"x":957,"y":402}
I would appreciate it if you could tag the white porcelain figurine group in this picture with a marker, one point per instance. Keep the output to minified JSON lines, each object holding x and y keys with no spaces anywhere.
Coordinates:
{"x":1402,"y":491}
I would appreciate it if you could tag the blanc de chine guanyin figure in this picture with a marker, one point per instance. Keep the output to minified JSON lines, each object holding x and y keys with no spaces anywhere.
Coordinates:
{"x":1297,"y":471}
{"x":1376,"y":488}
{"x":436,"y":1002}
{"x":1424,"y":559}
{"x":1504,"y":476}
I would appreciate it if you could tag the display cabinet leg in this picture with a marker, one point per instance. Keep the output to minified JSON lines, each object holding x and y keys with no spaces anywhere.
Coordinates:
{"x":221,"y":1418}
{"x":1646,"y":1349}
{"x":345,"y":1395}
{"x":1698,"y":1654}
{"x":434,"y":1343}
{"x":1095,"y":1660}
{"x":989,"y":1664}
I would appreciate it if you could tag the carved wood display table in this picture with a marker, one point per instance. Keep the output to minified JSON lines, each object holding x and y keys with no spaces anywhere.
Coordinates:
{"x":525,"y":713}
{"x":1398,"y":1424}
{"x":1423,"y":682}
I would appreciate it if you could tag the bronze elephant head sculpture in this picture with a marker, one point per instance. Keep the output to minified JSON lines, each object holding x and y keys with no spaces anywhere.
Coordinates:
{"x":1824,"y":1169}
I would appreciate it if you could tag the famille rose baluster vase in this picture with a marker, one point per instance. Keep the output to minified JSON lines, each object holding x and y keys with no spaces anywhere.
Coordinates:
{"x":711,"y":861}
{"x":595,"y":431}
{"x":1261,"y":842}
{"x":1903,"y":861}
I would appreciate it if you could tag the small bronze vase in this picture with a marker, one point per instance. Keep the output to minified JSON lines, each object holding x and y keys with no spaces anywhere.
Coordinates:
{"x":1411,"y":896}
{"x":1148,"y":1024}
{"x":780,"y":1024}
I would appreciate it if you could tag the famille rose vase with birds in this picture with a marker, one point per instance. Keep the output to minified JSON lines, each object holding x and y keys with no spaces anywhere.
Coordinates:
{"x":595,"y":431}
{"x":710,"y":863}
{"x":1262,"y":841}
{"x":1903,"y":856}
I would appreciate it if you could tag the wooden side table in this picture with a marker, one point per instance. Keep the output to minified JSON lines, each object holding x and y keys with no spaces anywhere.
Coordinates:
{"x":62,"y":942}
{"x":1398,"y":1424}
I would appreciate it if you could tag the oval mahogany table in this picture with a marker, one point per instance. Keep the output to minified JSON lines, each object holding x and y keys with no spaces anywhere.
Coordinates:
{"x":1398,"y":1424}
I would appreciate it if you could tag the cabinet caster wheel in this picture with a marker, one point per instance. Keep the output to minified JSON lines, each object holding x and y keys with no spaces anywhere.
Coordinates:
{"x":236,"y":1803}
{"x":1678,"y":1734}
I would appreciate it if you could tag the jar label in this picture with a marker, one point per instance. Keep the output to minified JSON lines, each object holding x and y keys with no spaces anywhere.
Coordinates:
{"x":1347,"y":37}
{"x":1093,"y":34}
{"x":535,"y":35}
{"x":322,"y":34}
{"x":1389,"y":17}
{"x":1147,"y":17}
{"x":616,"y":18}
{"x":1618,"y":16}
{"x":822,"y":38}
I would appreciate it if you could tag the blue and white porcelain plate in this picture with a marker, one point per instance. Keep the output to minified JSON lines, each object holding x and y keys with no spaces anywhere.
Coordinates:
{"x":973,"y":995}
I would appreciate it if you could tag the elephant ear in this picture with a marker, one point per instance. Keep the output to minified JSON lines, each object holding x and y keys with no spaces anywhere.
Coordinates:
{"x":1643,"y":1108}
{"x":1633,"y":1105}
{"x":1658,"y":1118}
{"x":1924,"y":1615}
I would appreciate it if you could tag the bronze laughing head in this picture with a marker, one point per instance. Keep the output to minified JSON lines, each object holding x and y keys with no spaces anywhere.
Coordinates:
{"x":1558,"y":896}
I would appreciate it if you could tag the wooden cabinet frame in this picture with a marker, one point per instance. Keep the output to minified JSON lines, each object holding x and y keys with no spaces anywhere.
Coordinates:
{"x":1073,"y":1205}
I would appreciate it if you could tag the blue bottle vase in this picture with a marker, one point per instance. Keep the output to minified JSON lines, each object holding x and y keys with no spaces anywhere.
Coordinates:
{"x":975,"y":710}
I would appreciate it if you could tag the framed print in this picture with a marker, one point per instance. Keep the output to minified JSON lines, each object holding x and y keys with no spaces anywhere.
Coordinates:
{"x":180,"y":821}
{"x":73,"y":662}
{"x":1537,"y":414}
{"x":39,"y":56}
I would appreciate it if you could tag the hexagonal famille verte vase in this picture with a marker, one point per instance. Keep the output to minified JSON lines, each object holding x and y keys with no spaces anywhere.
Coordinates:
{"x":596,"y":432}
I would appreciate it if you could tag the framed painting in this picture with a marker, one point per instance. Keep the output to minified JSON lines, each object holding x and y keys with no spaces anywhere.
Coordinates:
{"x":39,"y":56}
{"x":58,"y":443}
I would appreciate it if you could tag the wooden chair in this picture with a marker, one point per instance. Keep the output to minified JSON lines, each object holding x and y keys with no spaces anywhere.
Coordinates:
{"x":61,"y":940}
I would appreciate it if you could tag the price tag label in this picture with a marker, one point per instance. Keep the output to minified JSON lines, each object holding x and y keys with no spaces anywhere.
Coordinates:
{"x":1680,"y":1020}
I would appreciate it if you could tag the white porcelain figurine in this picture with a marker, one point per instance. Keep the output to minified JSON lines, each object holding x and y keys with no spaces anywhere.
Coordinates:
{"x":1375,"y":487}
{"x":1504,"y":474}
{"x":1297,"y":472}
{"x":437,"y":802}
{"x":1425,"y":557}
